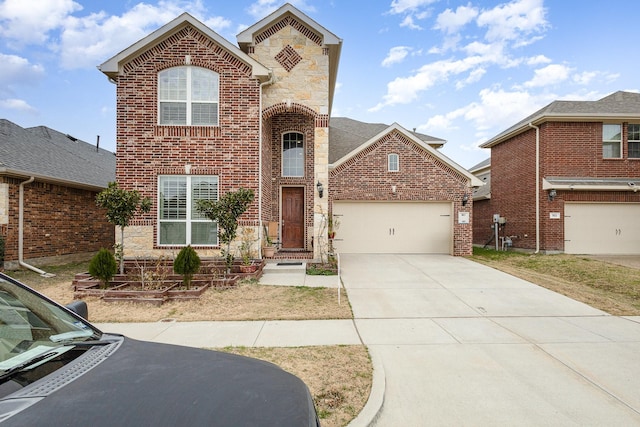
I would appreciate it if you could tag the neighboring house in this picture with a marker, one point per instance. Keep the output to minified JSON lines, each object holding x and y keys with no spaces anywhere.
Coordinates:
{"x":48,"y":185}
{"x":198,"y":117}
{"x":566,"y":178}
{"x":482,"y":213}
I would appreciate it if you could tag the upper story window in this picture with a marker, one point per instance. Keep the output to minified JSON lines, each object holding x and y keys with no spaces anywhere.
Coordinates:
{"x":188,"y":96}
{"x":633,"y":136}
{"x":293,"y":154}
{"x":179,"y":222}
{"x":394,"y":162}
{"x":611,"y":141}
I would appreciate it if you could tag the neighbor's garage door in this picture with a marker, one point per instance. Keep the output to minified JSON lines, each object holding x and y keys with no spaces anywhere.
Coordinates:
{"x":393,"y":227}
{"x":602,"y":228}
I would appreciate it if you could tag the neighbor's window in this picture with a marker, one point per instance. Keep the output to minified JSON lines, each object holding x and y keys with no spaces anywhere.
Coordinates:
{"x":188,"y":96}
{"x":394,"y":163}
{"x":633,"y":136}
{"x":611,"y":141}
{"x":292,"y":154}
{"x":179,"y":223}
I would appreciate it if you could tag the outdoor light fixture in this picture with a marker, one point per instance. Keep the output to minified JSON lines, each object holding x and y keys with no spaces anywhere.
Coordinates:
{"x":465,"y":199}
{"x":320,"y":189}
{"x":552,"y":194}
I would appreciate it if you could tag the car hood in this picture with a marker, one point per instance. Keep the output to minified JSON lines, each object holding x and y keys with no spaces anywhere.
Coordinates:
{"x":147,"y":384}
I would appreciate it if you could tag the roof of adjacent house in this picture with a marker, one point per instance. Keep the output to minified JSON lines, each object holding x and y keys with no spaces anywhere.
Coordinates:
{"x":52,"y":156}
{"x":346,"y":135}
{"x":620,"y":106}
{"x":483,"y":171}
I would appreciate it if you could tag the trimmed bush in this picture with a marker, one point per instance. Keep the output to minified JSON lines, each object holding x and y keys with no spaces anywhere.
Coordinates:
{"x":103,"y":266}
{"x":187,"y":264}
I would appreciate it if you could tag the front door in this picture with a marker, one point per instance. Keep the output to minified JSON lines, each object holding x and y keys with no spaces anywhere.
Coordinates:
{"x":293,"y":218}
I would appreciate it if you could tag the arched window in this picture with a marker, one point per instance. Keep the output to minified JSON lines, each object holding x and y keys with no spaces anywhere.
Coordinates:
{"x":293,"y":154}
{"x":394,"y":163}
{"x":188,"y":96}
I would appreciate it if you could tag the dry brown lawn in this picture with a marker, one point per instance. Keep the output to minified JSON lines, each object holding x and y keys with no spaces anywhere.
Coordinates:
{"x":339,"y":377}
{"x":609,"y":287}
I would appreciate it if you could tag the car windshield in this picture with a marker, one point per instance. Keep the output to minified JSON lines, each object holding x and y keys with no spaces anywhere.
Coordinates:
{"x":31,"y":326}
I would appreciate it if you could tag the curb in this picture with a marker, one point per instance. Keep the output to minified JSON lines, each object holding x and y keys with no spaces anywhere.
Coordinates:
{"x":373,"y":407}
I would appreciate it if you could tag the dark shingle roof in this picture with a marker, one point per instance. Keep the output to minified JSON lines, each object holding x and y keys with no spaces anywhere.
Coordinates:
{"x":51,"y":155}
{"x":617,"y":105}
{"x":346,"y":135}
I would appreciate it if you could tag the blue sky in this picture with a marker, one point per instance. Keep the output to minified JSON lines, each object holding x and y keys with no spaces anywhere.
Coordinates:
{"x":462,"y":71}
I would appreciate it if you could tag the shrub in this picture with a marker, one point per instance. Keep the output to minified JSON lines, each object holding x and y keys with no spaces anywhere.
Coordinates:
{"x":187,"y":264}
{"x":103,"y":266}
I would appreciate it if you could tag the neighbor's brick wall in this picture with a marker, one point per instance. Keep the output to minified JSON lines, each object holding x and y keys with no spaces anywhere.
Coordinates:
{"x":570,"y":149}
{"x":59,"y":222}
{"x":146,"y":150}
{"x":482,"y":221}
{"x":422,"y":177}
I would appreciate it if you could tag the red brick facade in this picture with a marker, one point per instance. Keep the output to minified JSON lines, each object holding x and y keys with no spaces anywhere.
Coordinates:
{"x":56,"y":225}
{"x":146,"y":150}
{"x":422,"y":177}
{"x":568,"y":149}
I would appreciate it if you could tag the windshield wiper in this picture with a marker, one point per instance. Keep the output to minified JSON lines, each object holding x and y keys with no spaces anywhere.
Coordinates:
{"x":34,"y":361}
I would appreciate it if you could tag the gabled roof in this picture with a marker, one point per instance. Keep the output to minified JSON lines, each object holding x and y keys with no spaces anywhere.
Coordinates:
{"x":483,"y":171}
{"x":346,"y":135}
{"x":482,"y":166}
{"x":52,"y":156}
{"x":113,"y":66}
{"x":620,"y":106}
{"x":349,"y":137}
{"x":329,"y":40}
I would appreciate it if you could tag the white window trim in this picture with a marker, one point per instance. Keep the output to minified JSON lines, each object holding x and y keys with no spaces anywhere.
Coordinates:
{"x":189,"y":101}
{"x":188,"y":220}
{"x":397,"y":161}
{"x":282,"y":155}
{"x":629,"y":140}
{"x":618,"y":141}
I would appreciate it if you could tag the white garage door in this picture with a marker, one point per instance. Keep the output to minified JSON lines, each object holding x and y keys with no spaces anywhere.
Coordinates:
{"x":394,"y":227}
{"x":602,"y":228}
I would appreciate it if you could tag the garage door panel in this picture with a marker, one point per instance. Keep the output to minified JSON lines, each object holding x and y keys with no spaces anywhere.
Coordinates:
{"x":393,"y":227}
{"x":602,"y":228}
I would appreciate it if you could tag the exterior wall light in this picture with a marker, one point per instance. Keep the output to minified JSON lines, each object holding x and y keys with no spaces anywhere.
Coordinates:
{"x":465,"y":199}
{"x":552,"y":194}
{"x":320,"y":189}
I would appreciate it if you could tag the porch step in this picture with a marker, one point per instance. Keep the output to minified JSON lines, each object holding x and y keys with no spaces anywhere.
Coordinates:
{"x":284,"y":266}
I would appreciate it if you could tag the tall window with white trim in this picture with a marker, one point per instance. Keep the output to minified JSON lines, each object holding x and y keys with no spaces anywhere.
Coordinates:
{"x":611,"y":141}
{"x":179,"y":222}
{"x":188,"y":96}
{"x":293,"y":154}
{"x":394,"y":162}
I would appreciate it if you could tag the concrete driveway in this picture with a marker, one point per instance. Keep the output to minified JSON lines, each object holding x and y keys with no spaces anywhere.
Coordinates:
{"x":466,"y":345}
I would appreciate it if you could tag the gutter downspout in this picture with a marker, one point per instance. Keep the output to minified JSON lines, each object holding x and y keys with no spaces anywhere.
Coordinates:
{"x":21,"y":232}
{"x":537,"y":187}
{"x":260,"y":227}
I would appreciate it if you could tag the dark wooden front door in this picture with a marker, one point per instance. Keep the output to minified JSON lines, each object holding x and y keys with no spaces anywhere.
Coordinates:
{"x":293,"y":217}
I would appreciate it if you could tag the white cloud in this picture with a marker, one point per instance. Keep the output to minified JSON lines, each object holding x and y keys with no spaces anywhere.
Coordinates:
{"x":16,"y":105}
{"x":404,"y":6}
{"x":396,"y":55}
{"x":17,"y":70}
{"x":549,"y":76}
{"x":90,"y":40}
{"x":408,"y":22}
{"x":24,"y":22}
{"x":473,"y":77}
{"x":517,"y":20}
{"x":538,"y":59}
{"x":450,"y":21}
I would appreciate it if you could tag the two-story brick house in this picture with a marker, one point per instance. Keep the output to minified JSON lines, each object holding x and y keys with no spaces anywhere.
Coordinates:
{"x":566,"y":178}
{"x":198,"y":117}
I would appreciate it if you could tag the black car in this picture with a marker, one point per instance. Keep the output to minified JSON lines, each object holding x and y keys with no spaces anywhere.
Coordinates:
{"x":56,"y":369}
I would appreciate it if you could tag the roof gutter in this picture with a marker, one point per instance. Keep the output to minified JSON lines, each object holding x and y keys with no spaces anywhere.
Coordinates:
{"x":537,"y":186}
{"x":21,"y":231}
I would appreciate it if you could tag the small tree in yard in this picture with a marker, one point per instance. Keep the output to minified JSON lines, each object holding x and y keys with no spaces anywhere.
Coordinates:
{"x":226,"y":212}
{"x":122,"y":206}
{"x":103,"y":266}
{"x":187,"y":264}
